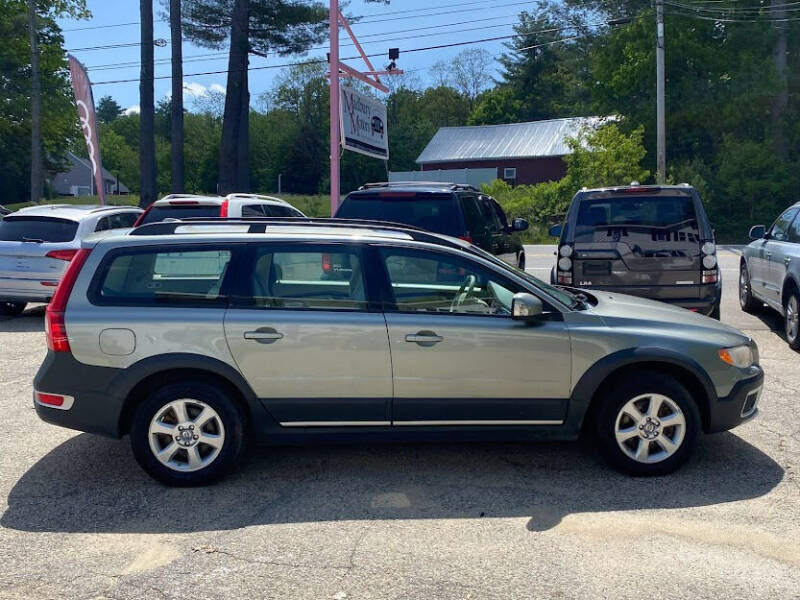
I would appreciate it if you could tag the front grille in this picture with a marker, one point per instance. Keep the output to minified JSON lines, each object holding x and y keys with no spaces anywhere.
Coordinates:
{"x":750,"y":403}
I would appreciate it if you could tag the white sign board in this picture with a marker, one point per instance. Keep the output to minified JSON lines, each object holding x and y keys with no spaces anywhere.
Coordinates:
{"x":363,"y":124}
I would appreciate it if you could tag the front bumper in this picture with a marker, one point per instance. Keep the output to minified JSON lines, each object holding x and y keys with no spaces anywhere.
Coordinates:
{"x":737,"y":407}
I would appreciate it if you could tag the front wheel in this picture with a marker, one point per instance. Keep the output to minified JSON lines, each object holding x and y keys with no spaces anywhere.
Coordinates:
{"x":12,"y":309}
{"x":521,"y":261}
{"x":746,"y":300}
{"x":187,"y":434}
{"x":792,"y":320}
{"x":648,"y":425}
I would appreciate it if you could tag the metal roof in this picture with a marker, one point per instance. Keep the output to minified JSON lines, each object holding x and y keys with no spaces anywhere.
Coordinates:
{"x":516,"y":140}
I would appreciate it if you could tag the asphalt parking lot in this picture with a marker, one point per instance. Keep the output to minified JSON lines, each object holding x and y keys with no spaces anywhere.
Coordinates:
{"x":79,"y":519}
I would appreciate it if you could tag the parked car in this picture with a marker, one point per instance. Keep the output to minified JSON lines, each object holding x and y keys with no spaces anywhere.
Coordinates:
{"x":37,"y":243}
{"x":452,"y":209}
{"x":190,"y":361}
{"x":184,"y":206}
{"x":649,"y":241}
{"x":769,"y":271}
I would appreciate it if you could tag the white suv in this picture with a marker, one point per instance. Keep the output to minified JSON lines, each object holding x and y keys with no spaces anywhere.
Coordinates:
{"x":37,"y":243}
{"x":184,"y":206}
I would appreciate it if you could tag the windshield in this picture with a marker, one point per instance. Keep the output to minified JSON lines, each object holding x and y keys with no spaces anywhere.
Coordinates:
{"x":434,"y":212}
{"x":37,"y":229}
{"x":646,"y":221}
{"x":159,"y":213}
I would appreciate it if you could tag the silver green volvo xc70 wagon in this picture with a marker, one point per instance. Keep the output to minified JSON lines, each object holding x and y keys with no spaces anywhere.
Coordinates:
{"x":193,"y":336}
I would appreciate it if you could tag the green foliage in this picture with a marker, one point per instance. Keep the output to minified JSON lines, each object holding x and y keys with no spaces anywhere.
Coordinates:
{"x":108,"y":109}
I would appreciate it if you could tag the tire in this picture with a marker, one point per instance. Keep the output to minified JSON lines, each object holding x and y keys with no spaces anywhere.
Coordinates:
{"x":641,"y":394}
{"x":716,"y":313}
{"x":792,"y":319}
{"x":12,"y":309}
{"x":746,"y":300}
{"x":214,"y":445}
{"x":521,"y":261}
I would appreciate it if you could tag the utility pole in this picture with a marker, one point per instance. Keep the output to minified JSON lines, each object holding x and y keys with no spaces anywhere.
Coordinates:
{"x":36,"y":107}
{"x":781,"y":101}
{"x":335,"y":100}
{"x":176,"y":147}
{"x":147,"y":147}
{"x":661,"y":128}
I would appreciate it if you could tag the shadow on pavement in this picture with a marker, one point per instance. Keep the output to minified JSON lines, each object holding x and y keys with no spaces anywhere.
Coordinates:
{"x":92,"y":484}
{"x":31,"y":320}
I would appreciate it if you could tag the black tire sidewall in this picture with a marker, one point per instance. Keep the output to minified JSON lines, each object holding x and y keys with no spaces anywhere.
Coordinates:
{"x":749,"y":305}
{"x":216,"y":398}
{"x":12,"y":309}
{"x":793,"y":344}
{"x":616,"y":396}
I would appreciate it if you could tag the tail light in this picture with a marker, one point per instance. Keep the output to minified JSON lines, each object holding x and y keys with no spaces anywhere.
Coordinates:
{"x":327,"y":264}
{"x":223,"y":211}
{"x":564,"y":278}
{"x":142,"y":216}
{"x":710,"y":276}
{"x":62,"y":254}
{"x":467,"y":238}
{"x":54,"y":325}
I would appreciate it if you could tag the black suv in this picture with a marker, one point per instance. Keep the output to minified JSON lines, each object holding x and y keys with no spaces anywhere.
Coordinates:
{"x":649,"y":241}
{"x":452,"y":209}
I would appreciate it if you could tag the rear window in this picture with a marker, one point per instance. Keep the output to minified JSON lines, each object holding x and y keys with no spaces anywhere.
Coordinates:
{"x":192,"y":278}
{"x":434,"y":212}
{"x":37,"y":229}
{"x":637,"y":219}
{"x":180,"y":211}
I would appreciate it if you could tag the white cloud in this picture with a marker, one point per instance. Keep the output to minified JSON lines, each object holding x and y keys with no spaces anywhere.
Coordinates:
{"x":198,"y":90}
{"x":132,"y":110}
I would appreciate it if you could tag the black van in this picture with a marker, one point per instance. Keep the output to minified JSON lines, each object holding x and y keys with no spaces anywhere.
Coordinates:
{"x":649,"y":241}
{"x":449,"y":208}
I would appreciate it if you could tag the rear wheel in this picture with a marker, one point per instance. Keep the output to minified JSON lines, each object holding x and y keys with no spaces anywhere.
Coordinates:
{"x":746,"y":299}
{"x":648,"y":424}
{"x":716,"y":313}
{"x":792,"y":316}
{"x":12,"y":309}
{"x":187,"y":434}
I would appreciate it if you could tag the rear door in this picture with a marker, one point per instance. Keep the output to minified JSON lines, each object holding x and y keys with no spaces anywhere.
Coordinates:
{"x":778,"y":253}
{"x":25,"y":242}
{"x":307,"y":339}
{"x":477,"y":218}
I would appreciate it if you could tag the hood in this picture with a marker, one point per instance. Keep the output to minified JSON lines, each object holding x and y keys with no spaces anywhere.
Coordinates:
{"x":620,"y":309}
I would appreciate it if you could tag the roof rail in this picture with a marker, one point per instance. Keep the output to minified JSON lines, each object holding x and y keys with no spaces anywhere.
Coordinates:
{"x":109,"y":207}
{"x":256,"y":197}
{"x":188,"y":196}
{"x":444,"y":184}
{"x":260,"y":225}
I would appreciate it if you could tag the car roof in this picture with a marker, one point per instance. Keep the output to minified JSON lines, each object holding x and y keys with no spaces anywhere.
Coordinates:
{"x":635,"y":186}
{"x":73,"y":212}
{"x":413,"y":187}
{"x":178,"y":199}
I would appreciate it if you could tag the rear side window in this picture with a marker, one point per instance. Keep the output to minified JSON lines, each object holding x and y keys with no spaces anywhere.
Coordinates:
{"x":145,"y":278}
{"x":275,"y":210}
{"x":37,"y":229}
{"x":639,"y":220}
{"x":180,"y":211}
{"x":296,"y":278}
{"x":474,"y":216}
{"x":434,"y":212}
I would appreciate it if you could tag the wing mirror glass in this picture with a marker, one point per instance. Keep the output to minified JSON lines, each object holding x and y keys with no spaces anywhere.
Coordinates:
{"x":519,"y":225}
{"x":525,"y":307}
{"x":757,"y":232}
{"x":555,"y":231}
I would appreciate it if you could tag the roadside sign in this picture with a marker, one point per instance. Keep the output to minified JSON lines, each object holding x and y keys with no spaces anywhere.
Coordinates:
{"x":363,"y":123}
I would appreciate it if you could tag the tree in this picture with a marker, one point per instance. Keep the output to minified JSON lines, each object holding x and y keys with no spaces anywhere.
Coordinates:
{"x":108,"y":109}
{"x":260,"y":27}
{"x":472,"y":72}
{"x":176,"y":148}
{"x":36,"y":106}
{"x":147,"y":146}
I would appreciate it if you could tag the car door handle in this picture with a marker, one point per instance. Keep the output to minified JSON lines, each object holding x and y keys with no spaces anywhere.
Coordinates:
{"x":787,"y":260}
{"x":424,"y":338}
{"x":264,"y":335}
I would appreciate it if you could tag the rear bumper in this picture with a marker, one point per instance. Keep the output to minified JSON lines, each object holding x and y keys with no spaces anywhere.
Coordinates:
{"x":737,"y":407}
{"x":27,"y":290}
{"x":96,"y":407}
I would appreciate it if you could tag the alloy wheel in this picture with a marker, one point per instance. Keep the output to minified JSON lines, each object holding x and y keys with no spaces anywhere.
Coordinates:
{"x":744,"y":288}
{"x":650,"y":428}
{"x":186,"y":435}
{"x":792,"y":319}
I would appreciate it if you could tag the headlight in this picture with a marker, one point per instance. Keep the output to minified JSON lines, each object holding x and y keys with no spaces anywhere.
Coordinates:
{"x":738,"y":356}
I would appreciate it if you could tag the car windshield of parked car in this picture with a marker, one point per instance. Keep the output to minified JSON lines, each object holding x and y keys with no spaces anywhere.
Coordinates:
{"x":434,"y":212}
{"x":37,"y":229}
{"x":647,"y":223}
{"x":159,"y":213}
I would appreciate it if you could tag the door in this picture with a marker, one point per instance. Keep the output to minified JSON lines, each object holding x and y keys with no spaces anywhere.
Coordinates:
{"x":458,"y":358}
{"x":303,"y":336}
{"x":476,"y":222}
{"x":777,"y":249}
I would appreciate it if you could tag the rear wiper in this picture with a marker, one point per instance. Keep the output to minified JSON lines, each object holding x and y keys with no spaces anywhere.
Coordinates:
{"x":34,"y":240}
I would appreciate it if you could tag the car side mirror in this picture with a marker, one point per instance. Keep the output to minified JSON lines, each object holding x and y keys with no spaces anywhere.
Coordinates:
{"x":519,"y":225}
{"x":757,"y":232}
{"x":555,"y":230}
{"x":525,"y":307}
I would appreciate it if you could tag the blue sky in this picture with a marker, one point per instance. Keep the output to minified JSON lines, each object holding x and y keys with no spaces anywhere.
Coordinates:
{"x":405,"y":24}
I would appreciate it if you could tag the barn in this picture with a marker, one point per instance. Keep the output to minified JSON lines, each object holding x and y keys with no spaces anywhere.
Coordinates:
{"x":519,"y":153}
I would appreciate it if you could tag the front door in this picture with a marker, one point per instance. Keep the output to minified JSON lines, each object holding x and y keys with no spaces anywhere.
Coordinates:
{"x":303,"y":337}
{"x":777,"y":250}
{"x":458,"y":357}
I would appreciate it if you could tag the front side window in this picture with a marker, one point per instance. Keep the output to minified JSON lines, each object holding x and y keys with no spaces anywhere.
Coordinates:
{"x":780,"y":228}
{"x":296,"y":278}
{"x":437,"y":283}
{"x":145,"y":278}
{"x":252,"y":210}
{"x":794,"y":231}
